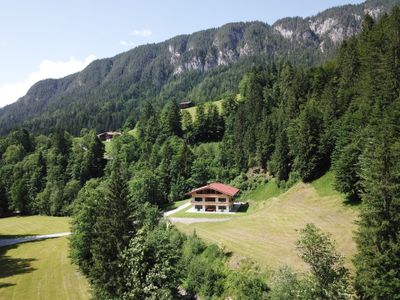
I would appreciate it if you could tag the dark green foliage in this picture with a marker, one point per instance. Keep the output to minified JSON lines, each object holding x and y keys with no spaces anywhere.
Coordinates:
{"x":330,"y":276}
{"x":145,"y":187}
{"x":112,"y":232}
{"x":87,"y":159}
{"x":306,"y":143}
{"x":207,"y":275}
{"x":44,"y":174}
{"x":246,"y":283}
{"x":280,"y":160}
{"x":327,"y":279}
{"x":347,"y":172}
{"x":150,"y":264}
{"x":377,"y":261}
{"x":85,"y":216}
{"x":170,"y":120}
{"x":3,"y":201}
{"x":208,"y":125}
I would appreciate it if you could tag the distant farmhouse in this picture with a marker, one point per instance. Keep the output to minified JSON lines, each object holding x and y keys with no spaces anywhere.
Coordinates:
{"x":214,"y":197}
{"x":108,"y":136}
{"x":186,"y":104}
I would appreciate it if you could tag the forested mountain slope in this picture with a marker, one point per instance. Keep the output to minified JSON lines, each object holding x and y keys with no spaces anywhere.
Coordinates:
{"x":200,"y":66}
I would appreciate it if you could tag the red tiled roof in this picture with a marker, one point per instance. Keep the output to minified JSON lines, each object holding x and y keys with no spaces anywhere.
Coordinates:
{"x":219,"y":187}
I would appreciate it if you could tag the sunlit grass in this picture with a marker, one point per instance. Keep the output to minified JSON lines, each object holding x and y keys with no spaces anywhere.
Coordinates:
{"x":268,"y":234}
{"x":42,"y":269}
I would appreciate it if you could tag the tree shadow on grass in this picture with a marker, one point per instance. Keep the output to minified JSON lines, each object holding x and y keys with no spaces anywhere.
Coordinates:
{"x":243,"y":208}
{"x":13,"y":236}
{"x":10,"y":266}
{"x":352,"y":201}
{"x":4,"y":285}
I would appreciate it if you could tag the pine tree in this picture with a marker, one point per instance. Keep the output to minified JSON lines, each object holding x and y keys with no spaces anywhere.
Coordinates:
{"x":378,"y":238}
{"x":170,"y":120}
{"x":112,"y":231}
{"x":280,"y":163}
{"x":305,"y":142}
{"x":3,"y":200}
{"x":347,"y":172}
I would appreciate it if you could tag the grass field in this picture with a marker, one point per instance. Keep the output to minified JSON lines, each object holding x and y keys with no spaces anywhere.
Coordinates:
{"x":33,"y":225}
{"x":192,"y":110}
{"x":42,"y":269}
{"x":268,"y":233}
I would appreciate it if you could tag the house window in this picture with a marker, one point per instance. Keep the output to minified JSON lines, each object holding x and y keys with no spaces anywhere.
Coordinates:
{"x":222,"y":208}
{"x":211,"y":208}
{"x":198,"y":207}
{"x":210,"y":199}
{"x":221,"y":199}
{"x":198,"y":199}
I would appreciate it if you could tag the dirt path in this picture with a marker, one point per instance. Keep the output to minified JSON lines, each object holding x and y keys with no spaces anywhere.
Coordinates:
{"x":171,"y":212}
{"x":12,"y":241}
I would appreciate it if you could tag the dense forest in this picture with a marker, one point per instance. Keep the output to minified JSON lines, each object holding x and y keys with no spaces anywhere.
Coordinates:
{"x":290,"y":121}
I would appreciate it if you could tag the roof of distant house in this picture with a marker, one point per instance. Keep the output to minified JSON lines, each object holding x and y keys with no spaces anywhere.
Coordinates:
{"x":219,"y":187}
{"x":109,"y":133}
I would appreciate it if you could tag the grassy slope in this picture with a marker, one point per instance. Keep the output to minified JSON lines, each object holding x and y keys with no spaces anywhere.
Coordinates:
{"x":38,"y":270}
{"x":192,"y":110}
{"x":268,"y":233}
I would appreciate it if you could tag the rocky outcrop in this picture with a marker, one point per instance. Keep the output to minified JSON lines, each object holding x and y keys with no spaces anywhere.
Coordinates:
{"x":332,"y":26}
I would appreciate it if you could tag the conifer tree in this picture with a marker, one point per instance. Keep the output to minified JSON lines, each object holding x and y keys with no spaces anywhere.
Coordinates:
{"x":305,"y":142}
{"x":112,"y":231}
{"x":378,"y":238}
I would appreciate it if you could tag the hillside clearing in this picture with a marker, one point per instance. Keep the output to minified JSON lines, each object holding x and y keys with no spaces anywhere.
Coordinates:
{"x":268,"y":234}
{"x":42,"y":269}
{"x":192,"y":110}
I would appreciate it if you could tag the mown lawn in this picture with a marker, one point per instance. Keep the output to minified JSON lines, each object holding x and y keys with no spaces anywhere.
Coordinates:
{"x":42,"y":269}
{"x":32,"y":225}
{"x":268,"y":234}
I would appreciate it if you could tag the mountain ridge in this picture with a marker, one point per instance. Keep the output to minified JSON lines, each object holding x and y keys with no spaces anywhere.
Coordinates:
{"x":198,"y":66}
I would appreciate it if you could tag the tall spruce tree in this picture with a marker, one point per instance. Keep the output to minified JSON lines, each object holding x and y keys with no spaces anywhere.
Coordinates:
{"x":305,"y":142}
{"x":378,"y":238}
{"x":112,"y":232}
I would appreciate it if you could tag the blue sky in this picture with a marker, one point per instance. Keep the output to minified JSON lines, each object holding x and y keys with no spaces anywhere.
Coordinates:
{"x":43,"y":38}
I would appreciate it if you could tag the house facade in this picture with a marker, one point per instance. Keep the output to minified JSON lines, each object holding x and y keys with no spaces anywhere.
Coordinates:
{"x":214,"y":197}
{"x":108,"y":135}
{"x":186,"y":104}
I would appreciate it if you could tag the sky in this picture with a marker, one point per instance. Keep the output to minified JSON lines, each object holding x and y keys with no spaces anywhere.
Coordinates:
{"x":53,"y":38}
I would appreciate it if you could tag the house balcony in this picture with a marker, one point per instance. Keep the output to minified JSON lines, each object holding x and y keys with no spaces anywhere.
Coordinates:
{"x":214,"y":202}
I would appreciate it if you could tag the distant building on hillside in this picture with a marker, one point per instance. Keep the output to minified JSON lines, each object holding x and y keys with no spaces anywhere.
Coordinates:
{"x":213,"y":197}
{"x":186,"y":104}
{"x":108,"y":135}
